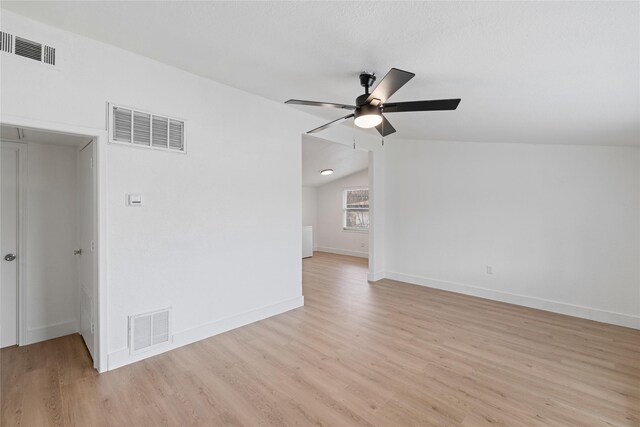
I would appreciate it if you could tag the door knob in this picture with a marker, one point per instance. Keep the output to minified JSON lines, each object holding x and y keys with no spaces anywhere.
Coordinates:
{"x":77,"y":252}
{"x":9,"y":257}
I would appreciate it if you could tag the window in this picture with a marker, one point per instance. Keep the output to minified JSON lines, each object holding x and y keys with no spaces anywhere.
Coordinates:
{"x":355,"y":207}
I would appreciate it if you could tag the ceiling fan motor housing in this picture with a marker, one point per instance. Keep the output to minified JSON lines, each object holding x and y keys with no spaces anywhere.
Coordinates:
{"x":366,"y":110}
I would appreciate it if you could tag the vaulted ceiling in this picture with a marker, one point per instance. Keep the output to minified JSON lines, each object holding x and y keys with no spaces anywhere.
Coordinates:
{"x":319,"y":154}
{"x":536,"y":72}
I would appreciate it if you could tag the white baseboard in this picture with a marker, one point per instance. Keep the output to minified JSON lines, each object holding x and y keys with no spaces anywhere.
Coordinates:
{"x":342,"y":252}
{"x":627,"y":320}
{"x":50,"y":331}
{"x":122,"y":357}
{"x":376,"y":276}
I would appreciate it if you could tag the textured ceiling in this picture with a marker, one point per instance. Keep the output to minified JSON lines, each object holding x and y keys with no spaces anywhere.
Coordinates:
{"x":319,"y":154}
{"x":538,"y":72}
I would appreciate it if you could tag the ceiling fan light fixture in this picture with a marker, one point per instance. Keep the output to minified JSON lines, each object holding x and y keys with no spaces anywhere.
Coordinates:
{"x":367,"y":117}
{"x":368,"y":121}
{"x":326,"y":171}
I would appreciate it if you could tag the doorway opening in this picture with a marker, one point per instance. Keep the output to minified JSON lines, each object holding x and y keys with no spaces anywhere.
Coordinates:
{"x":49,"y":236}
{"x":335,"y":199}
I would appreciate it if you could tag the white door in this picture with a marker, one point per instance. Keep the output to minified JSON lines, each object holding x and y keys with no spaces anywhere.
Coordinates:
{"x":87,"y":239}
{"x":9,"y":244}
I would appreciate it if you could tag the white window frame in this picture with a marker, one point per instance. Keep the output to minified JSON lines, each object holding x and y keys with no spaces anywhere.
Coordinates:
{"x":110,"y":107}
{"x":344,"y":211}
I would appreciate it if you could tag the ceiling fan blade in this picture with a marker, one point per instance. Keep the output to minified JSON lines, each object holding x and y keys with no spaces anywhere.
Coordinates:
{"x":385,"y":127}
{"x":318,"y":129}
{"x":433,"y":105}
{"x":389,"y":85}
{"x":320,"y":104}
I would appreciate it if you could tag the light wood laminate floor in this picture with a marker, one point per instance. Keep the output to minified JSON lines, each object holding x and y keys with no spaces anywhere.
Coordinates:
{"x":358,"y":353}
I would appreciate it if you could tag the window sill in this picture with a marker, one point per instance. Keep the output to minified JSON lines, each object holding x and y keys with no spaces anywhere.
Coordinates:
{"x":349,"y":230}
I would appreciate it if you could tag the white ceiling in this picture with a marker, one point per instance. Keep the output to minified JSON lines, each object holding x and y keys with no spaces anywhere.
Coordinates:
{"x":12,"y":133}
{"x":319,"y":154}
{"x":538,"y":72}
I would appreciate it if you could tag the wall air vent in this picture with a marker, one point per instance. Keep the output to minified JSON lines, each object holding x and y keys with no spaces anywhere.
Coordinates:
{"x":149,"y":330}
{"x":27,"y":48}
{"x":139,"y":128}
{"x":6,"y":42}
{"x":49,"y":56}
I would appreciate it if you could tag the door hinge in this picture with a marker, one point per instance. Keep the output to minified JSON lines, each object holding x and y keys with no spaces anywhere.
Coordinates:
{"x":92,"y":163}
{"x":93,"y":327}
{"x":93,"y":246}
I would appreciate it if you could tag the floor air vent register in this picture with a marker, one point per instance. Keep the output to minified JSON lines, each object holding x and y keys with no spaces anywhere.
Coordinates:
{"x":149,"y":330}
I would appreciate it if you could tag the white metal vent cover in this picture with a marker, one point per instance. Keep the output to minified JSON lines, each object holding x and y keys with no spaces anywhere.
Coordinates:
{"x":134,"y":127}
{"x":26,"y":48}
{"x":149,"y":330}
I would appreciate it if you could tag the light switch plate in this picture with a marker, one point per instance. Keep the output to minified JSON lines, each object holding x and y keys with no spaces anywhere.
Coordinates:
{"x":134,"y":199}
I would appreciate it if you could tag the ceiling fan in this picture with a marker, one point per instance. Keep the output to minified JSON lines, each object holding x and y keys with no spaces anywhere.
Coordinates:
{"x":369,"y":107}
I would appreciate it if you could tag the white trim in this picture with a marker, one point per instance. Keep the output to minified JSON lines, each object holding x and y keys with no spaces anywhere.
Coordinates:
{"x":598,"y":315}
{"x":100,"y":167}
{"x":342,"y":252}
{"x":376,"y":215}
{"x":46,"y":125}
{"x":50,"y":331}
{"x":100,"y":137}
{"x":123,"y":357}
{"x":21,"y":252}
{"x":374,"y":277}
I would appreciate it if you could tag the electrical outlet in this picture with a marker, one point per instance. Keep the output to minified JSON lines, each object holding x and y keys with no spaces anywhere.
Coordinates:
{"x":489,"y":269}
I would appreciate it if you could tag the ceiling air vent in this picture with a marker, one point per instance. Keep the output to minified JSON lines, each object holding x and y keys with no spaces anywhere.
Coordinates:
{"x":138,"y":128}
{"x":149,"y":330}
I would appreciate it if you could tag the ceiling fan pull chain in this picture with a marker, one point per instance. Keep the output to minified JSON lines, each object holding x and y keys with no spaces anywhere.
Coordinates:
{"x":353,"y":126}
{"x":382,"y":134}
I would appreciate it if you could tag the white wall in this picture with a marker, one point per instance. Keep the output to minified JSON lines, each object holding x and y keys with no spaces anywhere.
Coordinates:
{"x":310,"y":209}
{"x":218,"y":238}
{"x":51,"y":285}
{"x":330,"y":235}
{"x":560,"y":225}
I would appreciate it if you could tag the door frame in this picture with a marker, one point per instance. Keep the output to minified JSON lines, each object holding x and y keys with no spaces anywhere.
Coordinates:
{"x":100,"y":138}
{"x":346,"y":136}
{"x":21,"y":241}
